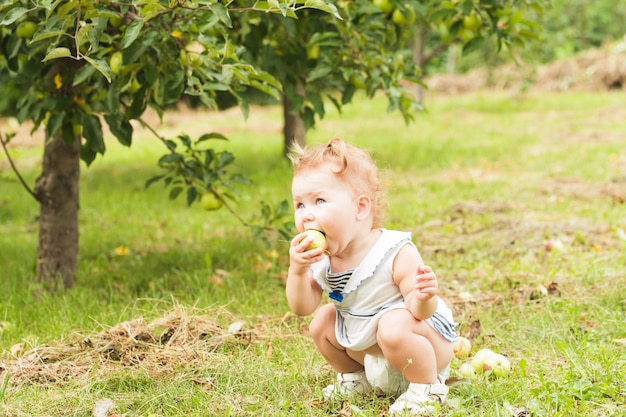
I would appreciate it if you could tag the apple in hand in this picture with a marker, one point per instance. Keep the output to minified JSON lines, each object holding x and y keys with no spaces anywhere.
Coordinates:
{"x":319,"y":240}
{"x":498,"y":364}
{"x":461,"y":347}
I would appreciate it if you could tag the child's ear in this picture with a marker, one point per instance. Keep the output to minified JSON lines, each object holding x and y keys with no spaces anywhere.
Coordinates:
{"x":363,"y":207}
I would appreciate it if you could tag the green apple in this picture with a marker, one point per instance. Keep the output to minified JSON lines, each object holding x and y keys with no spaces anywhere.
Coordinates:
{"x":498,"y":364}
{"x":472,"y":21}
{"x":467,"y":371}
{"x":357,"y":81}
{"x":386,"y":6}
{"x":26,"y":30}
{"x":403,"y":17}
{"x":135,"y":85}
{"x":210,"y":202}
{"x":313,"y":51}
{"x":115,"y":62}
{"x":462,"y":347}
{"x":478,"y":361}
{"x":319,"y":240}
{"x":115,"y":21}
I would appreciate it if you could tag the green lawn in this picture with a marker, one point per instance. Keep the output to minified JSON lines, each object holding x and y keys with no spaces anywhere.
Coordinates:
{"x":181,"y":312}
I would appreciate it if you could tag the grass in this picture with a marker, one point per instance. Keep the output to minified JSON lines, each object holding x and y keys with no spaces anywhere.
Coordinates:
{"x":482,"y":180}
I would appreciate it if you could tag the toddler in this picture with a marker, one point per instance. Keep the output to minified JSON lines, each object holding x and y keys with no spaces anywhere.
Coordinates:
{"x":385,"y":327}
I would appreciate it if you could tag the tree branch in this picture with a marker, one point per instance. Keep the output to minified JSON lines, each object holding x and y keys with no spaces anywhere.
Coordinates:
{"x":219,"y":197}
{"x":17,"y":173}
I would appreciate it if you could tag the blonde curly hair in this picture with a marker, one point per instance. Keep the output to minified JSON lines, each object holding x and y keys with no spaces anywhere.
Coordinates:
{"x":353,"y":165}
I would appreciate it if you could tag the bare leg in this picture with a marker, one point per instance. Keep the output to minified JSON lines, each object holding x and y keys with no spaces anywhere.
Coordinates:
{"x":413,"y":346}
{"x":323,"y":333}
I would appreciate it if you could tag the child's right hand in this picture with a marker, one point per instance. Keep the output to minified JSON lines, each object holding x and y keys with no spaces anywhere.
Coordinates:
{"x":300,"y":258}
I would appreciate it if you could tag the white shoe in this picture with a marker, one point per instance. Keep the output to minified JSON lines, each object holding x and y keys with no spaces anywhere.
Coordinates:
{"x":348,"y":384}
{"x":421,"y":400}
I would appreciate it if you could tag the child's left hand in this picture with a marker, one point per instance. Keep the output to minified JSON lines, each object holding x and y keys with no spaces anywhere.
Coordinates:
{"x":426,"y":284}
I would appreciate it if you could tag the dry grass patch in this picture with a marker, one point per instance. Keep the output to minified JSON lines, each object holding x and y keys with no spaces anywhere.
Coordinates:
{"x":183,"y":337}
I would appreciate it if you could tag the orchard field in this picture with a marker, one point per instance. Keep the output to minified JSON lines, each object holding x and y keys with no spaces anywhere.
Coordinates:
{"x":516,"y":199}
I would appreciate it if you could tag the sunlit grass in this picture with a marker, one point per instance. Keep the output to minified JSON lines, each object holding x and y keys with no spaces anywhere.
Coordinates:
{"x":482,"y":181}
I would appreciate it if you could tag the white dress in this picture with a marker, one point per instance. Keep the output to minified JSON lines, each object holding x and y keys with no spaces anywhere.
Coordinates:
{"x":371,"y":291}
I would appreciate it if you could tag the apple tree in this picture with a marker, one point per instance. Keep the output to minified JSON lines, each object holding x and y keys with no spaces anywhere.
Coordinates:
{"x":319,"y":59}
{"x":80,"y":64}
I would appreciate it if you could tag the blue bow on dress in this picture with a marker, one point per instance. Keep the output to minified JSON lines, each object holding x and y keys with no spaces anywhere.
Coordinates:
{"x":336,"y":295}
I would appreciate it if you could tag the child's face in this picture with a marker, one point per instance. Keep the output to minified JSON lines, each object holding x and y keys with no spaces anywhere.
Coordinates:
{"x":323,"y":201}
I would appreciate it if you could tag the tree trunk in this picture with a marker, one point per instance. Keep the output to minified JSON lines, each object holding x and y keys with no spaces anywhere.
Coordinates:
{"x":419,"y":59}
{"x":57,"y":192}
{"x":293,"y":128}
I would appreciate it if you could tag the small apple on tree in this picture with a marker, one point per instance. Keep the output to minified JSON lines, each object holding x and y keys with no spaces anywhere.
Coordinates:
{"x":386,"y":6}
{"x":403,"y":16}
{"x":210,"y":201}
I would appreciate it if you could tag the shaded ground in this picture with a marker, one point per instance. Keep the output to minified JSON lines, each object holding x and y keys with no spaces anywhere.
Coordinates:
{"x":593,"y":70}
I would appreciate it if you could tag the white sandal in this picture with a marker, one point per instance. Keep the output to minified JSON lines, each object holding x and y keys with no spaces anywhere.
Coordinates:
{"x":421,"y":399}
{"x":348,"y":384}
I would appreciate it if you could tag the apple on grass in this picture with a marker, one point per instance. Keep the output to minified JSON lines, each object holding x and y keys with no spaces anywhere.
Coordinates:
{"x":319,"y":240}
{"x":467,"y":371}
{"x":478,"y":361}
{"x":461,"y":347}
{"x":498,"y":364}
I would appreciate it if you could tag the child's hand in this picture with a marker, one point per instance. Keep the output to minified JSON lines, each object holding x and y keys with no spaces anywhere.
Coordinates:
{"x":426,"y":285}
{"x":301,"y":259}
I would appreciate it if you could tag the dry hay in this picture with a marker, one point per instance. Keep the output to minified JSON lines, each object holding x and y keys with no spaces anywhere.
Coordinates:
{"x":179,"y":338}
{"x":593,"y":70}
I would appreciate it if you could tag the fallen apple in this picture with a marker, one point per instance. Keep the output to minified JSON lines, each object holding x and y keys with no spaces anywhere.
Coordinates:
{"x":498,"y":364}
{"x":554,"y":245}
{"x":461,"y":347}
{"x":467,"y":371}
{"x":319,"y":240}
{"x":478,"y":361}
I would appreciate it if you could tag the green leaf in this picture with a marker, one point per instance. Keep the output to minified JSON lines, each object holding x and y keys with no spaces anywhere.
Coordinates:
{"x":120,"y":127}
{"x":13,"y":15}
{"x":132,"y":33}
{"x":225,"y":158}
{"x":55,"y":121}
{"x":92,"y":132}
{"x":324,"y":6}
{"x":152,"y":180}
{"x":57,"y":53}
{"x":83,"y":74}
{"x":170,"y":157}
{"x":139,"y":104}
{"x":192,"y":194}
{"x":174,"y":192}
{"x":100,"y":65}
{"x":222,"y":13}
{"x":47,"y":35}
{"x":213,"y":135}
{"x":318,"y":72}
